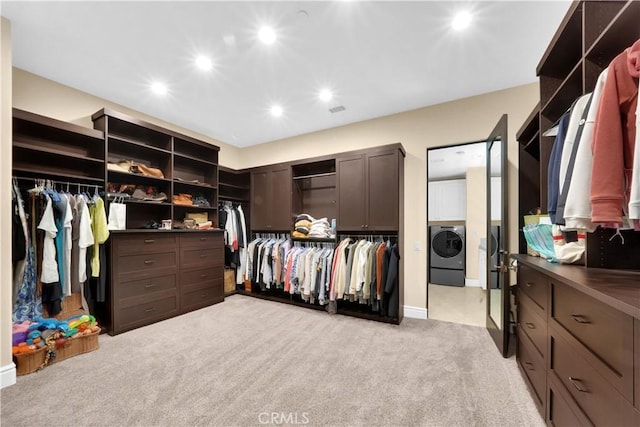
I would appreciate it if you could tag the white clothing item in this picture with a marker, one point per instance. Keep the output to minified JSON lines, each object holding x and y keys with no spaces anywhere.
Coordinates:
{"x":85,"y":238}
{"x":68,"y":217}
{"x":634,"y":197}
{"x":49,"y":263}
{"x":577,"y":209}
{"x":241,"y":272}
{"x":570,"y":138}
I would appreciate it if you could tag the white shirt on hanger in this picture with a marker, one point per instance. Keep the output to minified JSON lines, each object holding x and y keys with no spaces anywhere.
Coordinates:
{"x":49,"y":263}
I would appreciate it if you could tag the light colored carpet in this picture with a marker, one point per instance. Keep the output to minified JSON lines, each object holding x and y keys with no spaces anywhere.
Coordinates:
{"x":239,"y":362}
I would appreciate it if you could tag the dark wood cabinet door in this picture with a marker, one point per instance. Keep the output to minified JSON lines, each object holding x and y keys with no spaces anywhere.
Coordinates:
{"x":382,"y":184}
{"x":260,"y":199}
{"x":280,"y":206}
{"x":351,"y":193}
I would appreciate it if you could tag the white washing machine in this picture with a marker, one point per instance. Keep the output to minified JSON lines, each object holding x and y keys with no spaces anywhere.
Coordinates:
{"x":447,"y":255}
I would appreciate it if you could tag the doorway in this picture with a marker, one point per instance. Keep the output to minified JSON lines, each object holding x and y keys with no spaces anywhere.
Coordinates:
{"x":457,"y":248}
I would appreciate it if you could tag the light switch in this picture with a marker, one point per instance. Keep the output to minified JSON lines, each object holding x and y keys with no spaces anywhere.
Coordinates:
{"x":417,"y":246}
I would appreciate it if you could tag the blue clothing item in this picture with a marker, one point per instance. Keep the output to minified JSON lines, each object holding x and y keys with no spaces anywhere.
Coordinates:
{"x":60,"y":210}
{"x":28,"y":305}
{"x":553,"y":173}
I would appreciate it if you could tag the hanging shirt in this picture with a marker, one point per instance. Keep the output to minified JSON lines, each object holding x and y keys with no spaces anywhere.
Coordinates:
{"x":66,"y":245}
{"x":49,"y":263}
{"x":100,"y":234}
{"x":85,"y":238}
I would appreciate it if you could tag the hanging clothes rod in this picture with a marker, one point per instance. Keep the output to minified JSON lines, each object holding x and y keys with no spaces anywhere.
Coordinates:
{"x":315,"y":175}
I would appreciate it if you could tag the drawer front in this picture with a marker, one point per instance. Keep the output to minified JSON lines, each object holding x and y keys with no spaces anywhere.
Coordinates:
{"x":201,"y":240}
{"x":199,"y":298}
{"x":148,"y":286}
{"x":606,"y":332}
{"x":534,"y":284}
{"x":532,"y":324}
{"x":128,"y":244}
{"x":137,"y":314}
{"x":561,"y":412}
{"x":637,"y":365}
{"x":598,"y":399}
{"x":146,"y":262}
{"x":190,"y":258}
{"x":190,"y":277}
{"x":533,"y":366}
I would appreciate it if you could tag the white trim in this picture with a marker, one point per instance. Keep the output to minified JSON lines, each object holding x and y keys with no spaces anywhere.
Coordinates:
{"x":415,"y":312}
{"x":472,"y":283}
{"x":7,"y":375}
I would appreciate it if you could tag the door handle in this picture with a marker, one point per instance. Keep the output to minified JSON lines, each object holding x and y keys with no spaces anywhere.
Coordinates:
{"x":149,"y":241}
{"x":149,"y":261}
{"x":579,"y":318}
{"x":149,"y":309}
{"x":150,"y":285}
{"x":529,"y":366}
{"x":577,"y":383}
{"x":530,"y":325}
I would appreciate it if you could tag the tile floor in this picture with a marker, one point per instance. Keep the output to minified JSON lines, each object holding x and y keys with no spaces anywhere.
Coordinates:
{"x":465,"y":305}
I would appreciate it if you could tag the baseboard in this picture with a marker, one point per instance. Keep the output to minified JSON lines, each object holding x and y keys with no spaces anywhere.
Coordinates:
{"x":415,"y":312}
{"x":7,"y":375}
{"x":472,"y":283}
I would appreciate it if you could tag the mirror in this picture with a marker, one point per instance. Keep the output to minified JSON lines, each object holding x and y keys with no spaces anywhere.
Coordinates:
{"x":497,"y":233}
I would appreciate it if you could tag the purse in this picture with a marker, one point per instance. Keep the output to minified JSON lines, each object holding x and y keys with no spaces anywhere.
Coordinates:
{"x":117,"y":214}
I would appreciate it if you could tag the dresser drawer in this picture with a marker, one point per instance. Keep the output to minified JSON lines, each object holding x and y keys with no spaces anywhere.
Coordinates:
{"x":535,"y":285}
{"x":530,"y":322}
{"x":199,"y":298}
{"x":595,"y":396}
{"x":207,"y":274}
{"x":145,"y":286}
{"x":604,"y":331}
{"x":145,"y":243}
{"x":191,"y":258}
{"x":146,"y":262}
{"x":563,"y":412}
{"x":201,"y":240}
{"x":135,"y":313}
{"x":532,"y":363}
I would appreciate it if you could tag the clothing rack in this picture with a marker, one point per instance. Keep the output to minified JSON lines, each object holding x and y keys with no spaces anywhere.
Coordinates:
{"x":44,"y":181}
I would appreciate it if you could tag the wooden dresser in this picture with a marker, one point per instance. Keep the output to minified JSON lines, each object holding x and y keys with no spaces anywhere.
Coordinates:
{"x":156,"y":275}
{"x":579,"y":342}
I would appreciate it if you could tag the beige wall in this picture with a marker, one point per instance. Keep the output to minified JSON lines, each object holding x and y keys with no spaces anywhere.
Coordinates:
{"x":470,"y":119}
{"x":7,"y":369}
{"x":476,"y":224}
{"x":48,"y":98}
{"x":460,"y":121}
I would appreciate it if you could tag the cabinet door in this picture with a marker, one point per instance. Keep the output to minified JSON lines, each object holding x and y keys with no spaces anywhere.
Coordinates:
{"x":351,"y":193}
{"x":280,"y":206}
{"x":452,"y":202}
{"x":260,"y":199}
{"x":382,"y":191}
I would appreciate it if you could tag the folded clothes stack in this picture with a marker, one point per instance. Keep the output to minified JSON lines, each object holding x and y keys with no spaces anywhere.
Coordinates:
{"x":139,"y":193}
{"x":320,"y":228}
{"x":186,"y":199}
{"x":130,"y":166}
{"x":302,"y":226}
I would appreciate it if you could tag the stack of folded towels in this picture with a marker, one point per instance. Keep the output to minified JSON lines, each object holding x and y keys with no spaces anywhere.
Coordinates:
{"x":308,"y":226}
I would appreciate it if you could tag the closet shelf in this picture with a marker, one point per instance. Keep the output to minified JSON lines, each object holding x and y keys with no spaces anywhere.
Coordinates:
{"x":148,"y":203}
{"x":612,"y":39}
{"x":314,"y":239}
{"x":233,"y":199}
{"x":134,"y":178}
{"x":187,"y":184}
{"x":565,"y":94}
{"x":43,"y":172}
{"x":139,"y":144}
{"x":194,"y":207}
{"x":70,"y":128}
{"x":240,"y":187}
{"x":28,"y":144}
{"x":193,"y":159}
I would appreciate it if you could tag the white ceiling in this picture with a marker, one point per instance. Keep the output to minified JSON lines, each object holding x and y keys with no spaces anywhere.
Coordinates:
{"x":452,"y":162}
{"x":379,"y":58}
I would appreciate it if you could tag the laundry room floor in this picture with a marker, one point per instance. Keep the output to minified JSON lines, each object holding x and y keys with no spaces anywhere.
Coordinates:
{"x":465,"y":305}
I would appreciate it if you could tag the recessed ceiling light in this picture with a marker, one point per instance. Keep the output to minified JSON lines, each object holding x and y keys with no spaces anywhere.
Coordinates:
{"x":461,"y":20}
{"x":204,"y":63}
{"x":159,"y":88}
{"x":276,"y":111}
{"x":267,"y":35}
{"x":325,"y":95}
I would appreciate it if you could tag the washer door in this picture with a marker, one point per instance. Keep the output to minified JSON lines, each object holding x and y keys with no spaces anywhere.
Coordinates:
{"x":447,"y":244}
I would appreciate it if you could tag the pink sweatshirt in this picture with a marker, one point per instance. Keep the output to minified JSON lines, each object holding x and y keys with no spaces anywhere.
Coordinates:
{"x":614,"y":139}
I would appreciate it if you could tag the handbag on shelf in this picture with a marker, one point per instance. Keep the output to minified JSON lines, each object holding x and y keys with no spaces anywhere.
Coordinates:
{"x":117,"y":214}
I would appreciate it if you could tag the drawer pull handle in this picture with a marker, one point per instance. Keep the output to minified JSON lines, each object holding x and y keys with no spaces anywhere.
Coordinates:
{"x":579,"y":318}
{"x":203,"y":295}
{"x":530,"y":325}
{"x":150,"y":285}
{"x":202,"y":276}
{"x":202,"y":239}
{"x":578,"y":385}
{"x":149,"y":309}
{"x":529,"y":284}
{"x":203,"y":255}
{"x":529,"y":366}
{"x":149,"y":241}
{"x":150,"y":261}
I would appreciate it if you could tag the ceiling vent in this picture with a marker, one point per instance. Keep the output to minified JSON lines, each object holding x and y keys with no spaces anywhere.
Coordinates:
{"x":337,"y":109}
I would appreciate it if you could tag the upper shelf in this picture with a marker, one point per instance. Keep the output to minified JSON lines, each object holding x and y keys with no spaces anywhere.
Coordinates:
{"x":66,"y":128}
{"x":622,"y":32}
{"x":565,"y":48}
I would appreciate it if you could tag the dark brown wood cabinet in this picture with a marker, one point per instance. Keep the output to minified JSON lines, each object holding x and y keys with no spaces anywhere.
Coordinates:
{"x":271,"y":198}
{"x":368,"y":195}
{"x":577,"y":341}
{"x":155,"y":275}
